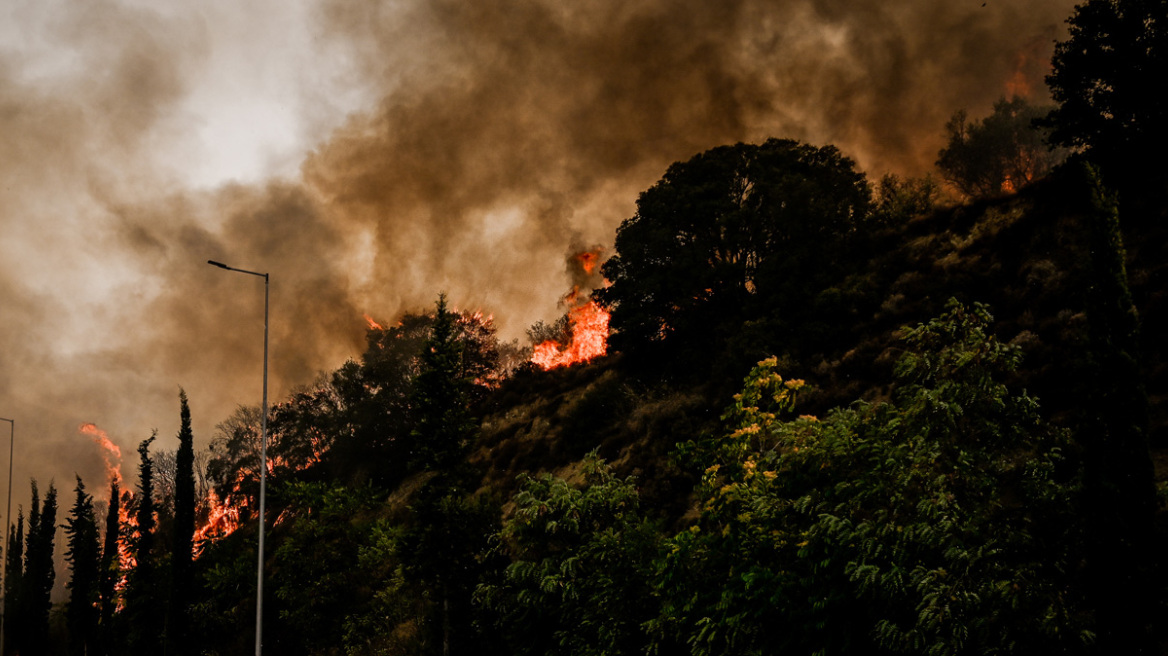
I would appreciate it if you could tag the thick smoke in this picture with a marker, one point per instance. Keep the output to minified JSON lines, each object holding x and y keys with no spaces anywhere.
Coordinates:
{"x":497,"y":136}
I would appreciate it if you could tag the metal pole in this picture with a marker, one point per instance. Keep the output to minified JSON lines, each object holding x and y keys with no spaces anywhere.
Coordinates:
{"x":263,"y":485}
{"x":263,"y":464}
{"x":7,"y":528}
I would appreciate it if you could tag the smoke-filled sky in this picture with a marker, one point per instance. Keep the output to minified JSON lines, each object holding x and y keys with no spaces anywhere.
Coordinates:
{"x":372,"y":154}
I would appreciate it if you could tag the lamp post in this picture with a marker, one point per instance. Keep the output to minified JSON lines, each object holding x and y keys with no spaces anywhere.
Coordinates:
{"x":7,"y":527}
{"x":263,"y":463}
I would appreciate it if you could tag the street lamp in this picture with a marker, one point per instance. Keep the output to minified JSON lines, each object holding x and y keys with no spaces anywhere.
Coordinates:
{"x":7,"y":527}
{"x":263,"y":463}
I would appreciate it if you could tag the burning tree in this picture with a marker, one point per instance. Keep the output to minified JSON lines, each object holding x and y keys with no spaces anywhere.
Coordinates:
{"x":1001,"y":153}
{"x":581,"y":334}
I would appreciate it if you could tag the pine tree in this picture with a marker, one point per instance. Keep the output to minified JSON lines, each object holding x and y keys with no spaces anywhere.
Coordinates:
{"x":442,"y":423}
{"x":13,"y":586}
{"x":83,"y":557}
{"x":443,"y":427}
{"x":184,"y":531}
{"x":39,"y":574}
{"x":110,"y":567}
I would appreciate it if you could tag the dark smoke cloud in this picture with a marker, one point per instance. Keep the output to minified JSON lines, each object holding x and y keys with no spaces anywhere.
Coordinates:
{"x":504,"y":134}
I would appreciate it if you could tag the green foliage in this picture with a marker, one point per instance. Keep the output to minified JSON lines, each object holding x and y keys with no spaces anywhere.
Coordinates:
{"x":1001,"y":153}
{"x":718,"y":230}
{"x":900,"y":199}
{"x":314,"y":576}
{"x":390,"y":622}
{"x":442,"y":424}
{"x":1106,"y":78}
{"x":935,"y":524}
{"x":580,"y":580}
{"x":443,"y":552}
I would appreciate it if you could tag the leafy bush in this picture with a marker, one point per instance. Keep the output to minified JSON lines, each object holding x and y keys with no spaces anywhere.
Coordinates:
{"x":935,"y":524}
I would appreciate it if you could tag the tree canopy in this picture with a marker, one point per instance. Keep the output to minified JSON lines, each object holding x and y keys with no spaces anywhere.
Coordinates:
{"x":1107,"y":78}
{"x":999,"y":153}
{"x":710,"y":234}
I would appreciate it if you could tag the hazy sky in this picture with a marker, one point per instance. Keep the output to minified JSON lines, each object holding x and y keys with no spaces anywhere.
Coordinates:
{"x":371,"y":154}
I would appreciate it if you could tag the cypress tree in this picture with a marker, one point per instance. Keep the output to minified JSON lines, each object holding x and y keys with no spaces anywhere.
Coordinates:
{"x":83,"y":556}
{"x":143,"y":606}
{"x":39,"y":574}
{"x":13,"y":587}
{"x":110,"y":569}
{"x":184,"y":531}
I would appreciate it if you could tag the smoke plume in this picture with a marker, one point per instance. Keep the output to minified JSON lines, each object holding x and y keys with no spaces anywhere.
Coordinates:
{"x":410,"y":147}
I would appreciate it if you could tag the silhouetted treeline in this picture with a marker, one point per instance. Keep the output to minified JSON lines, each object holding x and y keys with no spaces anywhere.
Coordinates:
{"x":839,"y":418}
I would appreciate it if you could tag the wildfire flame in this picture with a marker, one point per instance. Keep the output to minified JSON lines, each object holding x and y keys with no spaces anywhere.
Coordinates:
{"x":373,"y":325}
{"x":588,"y":324}
{"x":589,"y":260}
{"x":222,"y":520}
{"x":100,"y":438}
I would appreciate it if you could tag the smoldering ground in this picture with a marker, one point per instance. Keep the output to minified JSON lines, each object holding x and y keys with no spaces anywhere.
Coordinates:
{"x":442,"y":146}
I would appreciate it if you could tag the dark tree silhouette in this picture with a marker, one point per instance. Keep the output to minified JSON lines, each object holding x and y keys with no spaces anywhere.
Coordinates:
{"x":109,"y":570}
{"x":83,"y":555}
{"x":1107,"y":78}
{"x":144,"y":603}
{"x":719,"y":232}
{"x":1118,"y":478}
{"x":1003,"y":152}
{"x":13,"y":585}
{"x":39,"y":572}
{"x":184,"y":531}
{"x":441,"y":392}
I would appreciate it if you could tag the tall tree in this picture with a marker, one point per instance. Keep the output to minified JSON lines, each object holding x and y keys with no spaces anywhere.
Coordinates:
{"x":39,"y":572}
{"x":719,"y":234}
{"x":1119,"y":479}
{"x":1106,"y":78}
{"x":442,"y":421}
{"x":110,"y":570}
{"x":13,"y":586}
{"x":83,"y":555}
{"x":184,"y":531}
{"x":143,"y":603}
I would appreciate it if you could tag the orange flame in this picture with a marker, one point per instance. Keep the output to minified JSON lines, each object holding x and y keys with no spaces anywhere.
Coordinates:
{"x":589,"y":260}
{"x":589,"y":339}
{"x":588,"y":322}
{"x":222,"y":520}
{"x":373,"y":325}
{"x":100,"y":438}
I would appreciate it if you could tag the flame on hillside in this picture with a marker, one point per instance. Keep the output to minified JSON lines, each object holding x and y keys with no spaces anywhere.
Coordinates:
{"x":588,"y":323}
